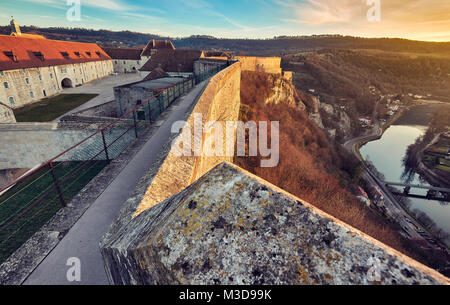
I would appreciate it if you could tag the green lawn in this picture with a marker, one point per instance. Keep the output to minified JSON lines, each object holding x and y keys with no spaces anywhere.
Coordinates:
{"x":27,"y":206}
{"x":444,"y":168}
{"x":51,"y":108}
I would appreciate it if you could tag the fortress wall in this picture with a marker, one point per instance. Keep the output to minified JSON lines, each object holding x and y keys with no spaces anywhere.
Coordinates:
{"x":25,"y":145}
{"x":6,"y":115}
{"x":261,"y":64}
{"x":219,"y":102}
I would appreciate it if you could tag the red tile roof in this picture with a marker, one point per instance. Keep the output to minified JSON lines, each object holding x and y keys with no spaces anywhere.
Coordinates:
{"x":22,"y":53}
{"x":173,"y":60}
{"x":124,"y":53}
{"x":157,"y":45}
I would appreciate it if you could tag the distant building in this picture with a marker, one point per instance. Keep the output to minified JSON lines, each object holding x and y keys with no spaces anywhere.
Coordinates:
{"x":376,"y":193}
{"x":125,"y":60}
{"x":365,"y":121}
{"x":131,"y":95}
{"x":16,"y":32}
{"x":32,"y":67}
{"x":154,"y":46}
{"x":173,"y":62}
{"x":129,"y":60}
{"x":224,"y":55}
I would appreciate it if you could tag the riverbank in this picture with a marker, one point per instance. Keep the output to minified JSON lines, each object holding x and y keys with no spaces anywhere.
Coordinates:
{"x":428,"y":155}
{"x":378,"y":134}
{"x":387,"y":151}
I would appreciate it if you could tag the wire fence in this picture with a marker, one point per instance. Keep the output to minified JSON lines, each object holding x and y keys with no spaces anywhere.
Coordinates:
{"x":31,"y":201}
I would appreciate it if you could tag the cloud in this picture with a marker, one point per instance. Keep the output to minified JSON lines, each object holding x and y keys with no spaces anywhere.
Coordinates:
{"x":114,"y":5}
{"x":316,"y":12}
{"x":416,"y":19}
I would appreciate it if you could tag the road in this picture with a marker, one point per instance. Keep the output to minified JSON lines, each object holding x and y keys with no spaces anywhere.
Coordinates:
{"x":82,"y":240}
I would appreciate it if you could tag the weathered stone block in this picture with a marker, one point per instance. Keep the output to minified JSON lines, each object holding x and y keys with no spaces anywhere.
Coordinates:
{"x":231,"y":227}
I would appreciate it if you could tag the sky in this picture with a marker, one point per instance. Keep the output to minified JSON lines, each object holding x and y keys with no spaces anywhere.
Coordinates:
{"x":427,"y":20}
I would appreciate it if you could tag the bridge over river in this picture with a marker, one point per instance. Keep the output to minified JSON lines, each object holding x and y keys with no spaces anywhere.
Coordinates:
{"x":432,"y":193}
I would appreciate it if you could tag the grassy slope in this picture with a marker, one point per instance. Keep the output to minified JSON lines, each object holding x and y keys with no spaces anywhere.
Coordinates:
{"x":32,"y":202}
{"x":51,"y":108}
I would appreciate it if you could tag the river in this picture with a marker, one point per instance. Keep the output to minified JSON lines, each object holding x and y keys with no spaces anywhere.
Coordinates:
{"x":387,"y":155}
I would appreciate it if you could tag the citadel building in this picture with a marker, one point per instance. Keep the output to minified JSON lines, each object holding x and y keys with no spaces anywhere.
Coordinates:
{"x":131,"y":60}
{"x":32,"y":67}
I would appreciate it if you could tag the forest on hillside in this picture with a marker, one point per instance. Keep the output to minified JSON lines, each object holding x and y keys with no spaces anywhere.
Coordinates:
{"x":276,"y":46}
{"x":357,"y":79}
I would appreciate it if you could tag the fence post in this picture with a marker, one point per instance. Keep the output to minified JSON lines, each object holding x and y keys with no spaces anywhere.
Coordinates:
{"x":160,"y":108}
{"x":135,"y":125}
{"x":58,"y":189}
{"x":104,"y":145}
{"x":149,"y":111}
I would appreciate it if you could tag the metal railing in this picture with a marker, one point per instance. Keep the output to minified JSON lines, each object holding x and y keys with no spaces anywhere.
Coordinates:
{"x":31,"y":201}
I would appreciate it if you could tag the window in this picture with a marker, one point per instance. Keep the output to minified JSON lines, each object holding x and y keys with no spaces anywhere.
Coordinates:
{"x":5,"y":84}
{"x":27,"y":80}
{"x":124,"y":62}
{"x":77,"y":54}
{"x":99,"y":54}
{"x":1,"y":73}
{"x":40,"y":77}
{"x":31,"y":94}
{"x":39,"y":55}
{"x":11,"y":55}
{"x":51,"y":75}
{"x":11,"y":100}
{"x":65,"y":55}
{"x":88,"y":54}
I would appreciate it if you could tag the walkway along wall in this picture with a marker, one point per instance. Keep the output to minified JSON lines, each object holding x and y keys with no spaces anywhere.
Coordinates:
{"x":219,"y":102}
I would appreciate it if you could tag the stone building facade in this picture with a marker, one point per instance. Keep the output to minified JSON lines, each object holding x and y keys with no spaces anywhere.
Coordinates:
{"x":32,"y":67}
{"x":126,"y":60}
{"x":174,"y":62}
{"x":132,"y":95}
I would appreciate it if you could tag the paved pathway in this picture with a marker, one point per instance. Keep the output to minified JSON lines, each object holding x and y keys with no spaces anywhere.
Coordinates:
{"x":82,"y":241}
{"x":103,"y":87}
